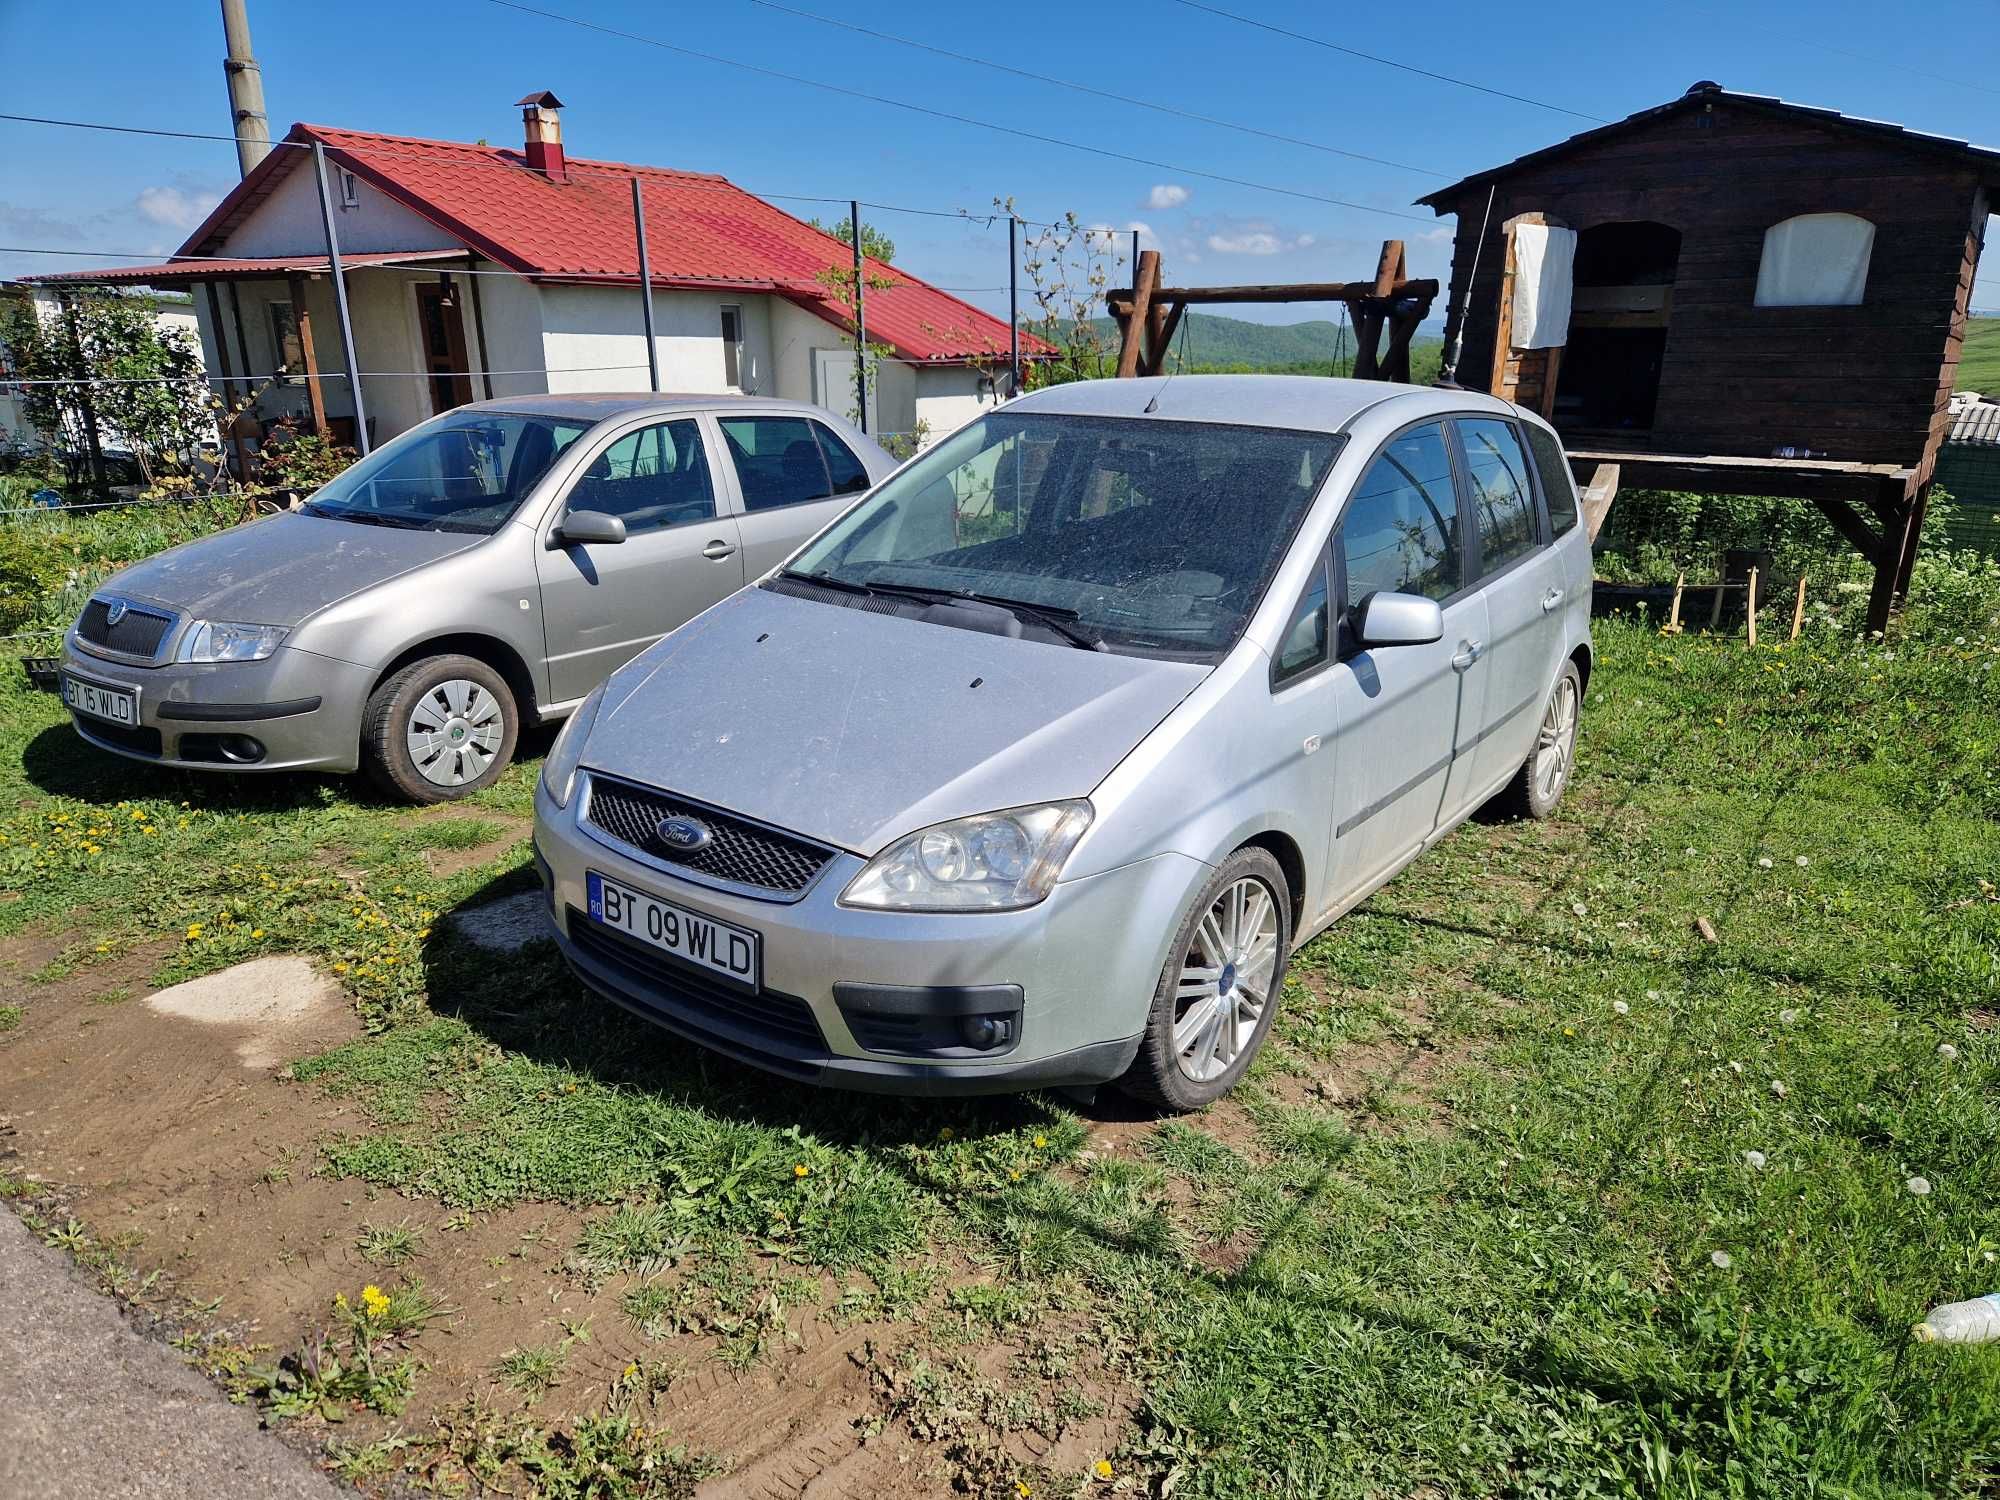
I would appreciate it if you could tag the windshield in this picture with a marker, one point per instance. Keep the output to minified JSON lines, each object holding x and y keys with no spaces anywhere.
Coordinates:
{"x":1146,"y":534}
{"x":465,"y":471}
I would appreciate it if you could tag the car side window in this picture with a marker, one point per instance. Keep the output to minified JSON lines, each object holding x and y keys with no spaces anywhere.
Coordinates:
{"x":1557,"y":487}
{"x":650,"y":479}
{"x":848,"y":473}
{"x":1400,"y":533}
{"x":1304,"y":645}
{"x":777,"y":461}
{"x":1503,"y":502}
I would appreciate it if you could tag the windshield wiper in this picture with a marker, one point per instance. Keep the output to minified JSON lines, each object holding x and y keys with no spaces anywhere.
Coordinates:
{"x":363,"y":517}
{"x":1051,"y":617}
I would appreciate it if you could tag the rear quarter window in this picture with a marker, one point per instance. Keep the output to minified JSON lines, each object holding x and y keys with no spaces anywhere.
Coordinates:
{"x":1553,"y":470}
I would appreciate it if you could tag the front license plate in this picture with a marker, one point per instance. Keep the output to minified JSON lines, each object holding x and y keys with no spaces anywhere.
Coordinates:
{"x":728,"y":952}
{"x":119,"y":705}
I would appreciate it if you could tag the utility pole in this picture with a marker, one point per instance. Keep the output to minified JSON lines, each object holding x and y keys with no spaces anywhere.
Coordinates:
{"x":246,"y":89}
{"x":860,"y":320}
{"x":339,"y":276}
{"x":645,"y":285}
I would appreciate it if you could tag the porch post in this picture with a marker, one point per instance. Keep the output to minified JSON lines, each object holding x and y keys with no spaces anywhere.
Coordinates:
{"x":340,"y":301}
{"x":302,"y":315}
{"x":645,"y":286}
{"x":860,"y":320}
{"x":1013,"y":304}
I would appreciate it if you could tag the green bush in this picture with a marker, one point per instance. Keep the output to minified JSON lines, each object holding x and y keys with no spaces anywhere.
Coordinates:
{"x":51,"y":560}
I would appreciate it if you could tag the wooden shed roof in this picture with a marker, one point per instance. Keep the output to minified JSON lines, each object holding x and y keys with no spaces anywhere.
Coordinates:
{"x":1984,"y":160}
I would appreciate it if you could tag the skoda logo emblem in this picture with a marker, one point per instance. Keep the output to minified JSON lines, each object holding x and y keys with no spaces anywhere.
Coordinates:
{"x":114,"y":611}
{"x":683,"y":835}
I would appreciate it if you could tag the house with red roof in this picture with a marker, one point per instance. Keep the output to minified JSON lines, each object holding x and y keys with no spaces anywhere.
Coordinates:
{"x":475,"y":271}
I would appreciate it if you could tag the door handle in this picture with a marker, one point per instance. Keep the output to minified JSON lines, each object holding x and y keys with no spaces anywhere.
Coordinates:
{"x":1551,"y":599}
{"x":716,"y":550}
{"x":1468,"y":653}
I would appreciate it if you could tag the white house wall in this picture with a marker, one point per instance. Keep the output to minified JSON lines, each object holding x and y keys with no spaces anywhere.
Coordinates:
{"x":288,"y":222}
{"x":511,"y":309}
{"x":949,"y":396}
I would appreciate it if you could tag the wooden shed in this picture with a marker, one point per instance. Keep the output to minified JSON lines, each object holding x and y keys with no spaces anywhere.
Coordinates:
{"x":1733,"y":294}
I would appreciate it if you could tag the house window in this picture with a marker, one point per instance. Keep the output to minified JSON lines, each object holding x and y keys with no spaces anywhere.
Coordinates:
{"x":1815,"y":260}
{"x":350,"y":190}
{"x":732,"y":346}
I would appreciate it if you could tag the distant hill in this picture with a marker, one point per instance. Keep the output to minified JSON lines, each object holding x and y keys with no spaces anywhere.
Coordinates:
{"x":1210,"y":340}
{"x":1979,"y":362}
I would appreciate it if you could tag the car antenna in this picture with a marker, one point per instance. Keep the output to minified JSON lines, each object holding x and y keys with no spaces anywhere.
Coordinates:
{"x":1180,"y":359}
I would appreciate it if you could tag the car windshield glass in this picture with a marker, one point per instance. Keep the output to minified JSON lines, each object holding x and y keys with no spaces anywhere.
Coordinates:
{"x":1149,"y":535}
{"x":465,"y":471}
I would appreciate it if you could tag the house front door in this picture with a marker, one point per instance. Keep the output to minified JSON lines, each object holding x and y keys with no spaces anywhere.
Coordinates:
{"x":441,"y":328}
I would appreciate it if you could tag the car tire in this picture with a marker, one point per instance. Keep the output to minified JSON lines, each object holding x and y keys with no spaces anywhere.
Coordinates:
{"x":1184,"y":1063}
{"x":440,"y":729}
{"x":1544,"y":776}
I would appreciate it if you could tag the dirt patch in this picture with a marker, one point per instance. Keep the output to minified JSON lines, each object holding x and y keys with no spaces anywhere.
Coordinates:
{"x":507,"y":925}
{"x":450,"y":854}
{"x":274,"y":1008}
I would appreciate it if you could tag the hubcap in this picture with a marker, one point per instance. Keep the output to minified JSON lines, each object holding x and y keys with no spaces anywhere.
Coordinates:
{"x":1227,"y":975}
{"x":1557,"y":740}
{"x":454,"y":732}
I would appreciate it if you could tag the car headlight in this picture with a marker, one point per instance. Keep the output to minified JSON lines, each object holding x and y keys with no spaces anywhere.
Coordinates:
{"x":222,"y":640}
{"x":993,"y":862}
{"x":566,"y":754}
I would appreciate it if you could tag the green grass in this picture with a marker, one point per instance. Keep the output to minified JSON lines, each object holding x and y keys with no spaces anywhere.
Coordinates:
{"x":1460,"y":1233}
{"x":1979,"y":361}
{"x":389,"y":1244}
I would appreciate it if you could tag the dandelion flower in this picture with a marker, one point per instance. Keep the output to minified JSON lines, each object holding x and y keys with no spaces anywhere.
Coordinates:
{"x":1787,"y":1017}
{"x":194,"y":931}
{"x":1801,"y":861}
{"x":631,"y":1370}
{"x":1102,"y":1468}
{"x":1021,"y":1489}
{"x":1735,"y":1066}
{"x":1569,"y":1031}
{"x":801,"y":1170}
{"x":1619,"y":1008}
{"x":1764,"y":863}
{"x":256,"y":932}
{"x":1720,"y":1259}
{"x":1919,"y":1187}
{"x":1778,"y":1087}
{"x":373,"y":1301}
{"x":1579,"y":908}
{"x":1754,"y":1160}
{"x":1948,"y":1052}
{"x":1989,"y":1257}
{"x":1013,"y":1174}
{"x":1041,"y":1141}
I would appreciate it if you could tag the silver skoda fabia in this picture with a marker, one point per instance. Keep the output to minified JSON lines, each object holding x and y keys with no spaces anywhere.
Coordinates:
{"x":1036,"y":765}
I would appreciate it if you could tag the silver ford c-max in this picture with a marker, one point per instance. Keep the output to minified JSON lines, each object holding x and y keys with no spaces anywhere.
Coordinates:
{"x":480,"y":572}
{"x":1036,"y":765}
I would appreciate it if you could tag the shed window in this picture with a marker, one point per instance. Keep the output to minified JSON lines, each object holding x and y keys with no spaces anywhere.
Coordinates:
{"x":1815,"y":260}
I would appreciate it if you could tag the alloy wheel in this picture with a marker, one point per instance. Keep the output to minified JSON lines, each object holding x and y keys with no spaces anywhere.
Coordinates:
{"x":1227,"y":975}
{"x":455,"y":731}
{"x":1556,"y":742}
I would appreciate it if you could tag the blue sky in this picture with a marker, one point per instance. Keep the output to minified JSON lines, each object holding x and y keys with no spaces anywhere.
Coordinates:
{"x":452,"y":69}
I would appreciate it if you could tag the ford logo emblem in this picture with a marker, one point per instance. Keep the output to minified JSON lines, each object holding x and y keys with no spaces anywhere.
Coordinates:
{"x":114,"y":611}
{"x":683,"y":835}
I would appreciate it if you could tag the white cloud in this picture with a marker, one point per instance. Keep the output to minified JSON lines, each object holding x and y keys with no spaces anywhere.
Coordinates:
{"x":1166,"y":195}
{"x":172,"y":207}
{"x":1147,"y":239}
{"x":1254,"y":242}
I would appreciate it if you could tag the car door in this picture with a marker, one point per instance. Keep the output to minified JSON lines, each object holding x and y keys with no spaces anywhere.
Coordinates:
{"x":603,"y":603}
{"x":792,"y":475}
{"x":1403,"y":712}
{"x":1521,"y":577}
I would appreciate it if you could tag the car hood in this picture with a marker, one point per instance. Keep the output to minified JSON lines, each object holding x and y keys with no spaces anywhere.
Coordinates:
{"x":280,"y":570}
{"x":856,"y":728}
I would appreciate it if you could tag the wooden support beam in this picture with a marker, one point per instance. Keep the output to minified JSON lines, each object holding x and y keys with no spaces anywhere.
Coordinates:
{"x":1144,"y":284}
{"x":1161,"y":344}
{"x":1918,"y":506}
{"x":1850,"y":525}
{"x":1888,"y":563}
{"x":1120,"y":298}
{"x":302,"y":316}
{"x":1597,"y":498}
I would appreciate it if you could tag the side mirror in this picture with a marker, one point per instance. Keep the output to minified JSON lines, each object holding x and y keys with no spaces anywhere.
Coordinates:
{"x":588,"y":528}
{"x":1386,"y":619}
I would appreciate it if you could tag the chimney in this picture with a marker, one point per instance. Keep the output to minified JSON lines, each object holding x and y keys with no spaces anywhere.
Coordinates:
{"x":541,"y":130}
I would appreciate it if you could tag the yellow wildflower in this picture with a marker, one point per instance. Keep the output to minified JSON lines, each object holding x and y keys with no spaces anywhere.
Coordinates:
{"x":802,"y":1170}
{"x":374,"y":1301}
{"x":340,"y":968}
{"x":340,"y":1300}
{"x":1041,"y":1141}
{"x":194,"y":931}
{"x":1021,"y":1489}
{"x":1102,"y":1468}
{"x":631,"y":1370}
{"x":256,"y":932}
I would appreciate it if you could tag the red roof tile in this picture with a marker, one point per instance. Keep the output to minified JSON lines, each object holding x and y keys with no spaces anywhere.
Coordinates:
{"x":702,"y":231}
{"x":207,"y":268}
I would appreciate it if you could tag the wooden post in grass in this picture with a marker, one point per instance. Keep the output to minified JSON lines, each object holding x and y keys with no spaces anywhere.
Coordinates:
{"x":1674,"y":613}
{"x":1799,"y":609}
{"x":1753,"y":609}
{"x":1715,"y":609}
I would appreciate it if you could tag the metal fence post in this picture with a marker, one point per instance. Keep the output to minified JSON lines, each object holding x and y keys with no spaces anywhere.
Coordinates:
{"x":645,"y":286}
{"x":340,"y":301}
{"x":860,"y":318}
{"x":1013,"y":304}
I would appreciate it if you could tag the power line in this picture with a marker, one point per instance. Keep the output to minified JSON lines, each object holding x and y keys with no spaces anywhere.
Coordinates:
{"x":1084,"y":88}
{"x":957,"y":119}
{"x":1387,"y":62}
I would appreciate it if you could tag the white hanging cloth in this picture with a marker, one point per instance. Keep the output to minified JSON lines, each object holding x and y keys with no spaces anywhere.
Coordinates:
{"x":1544,"y":269}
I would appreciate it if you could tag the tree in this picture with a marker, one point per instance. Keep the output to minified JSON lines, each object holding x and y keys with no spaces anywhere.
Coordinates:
{"x":874,"y":243}
{"x":102,"y":369}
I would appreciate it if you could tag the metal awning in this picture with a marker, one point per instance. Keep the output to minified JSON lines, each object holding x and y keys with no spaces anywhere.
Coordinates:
{"x":200,"y":268}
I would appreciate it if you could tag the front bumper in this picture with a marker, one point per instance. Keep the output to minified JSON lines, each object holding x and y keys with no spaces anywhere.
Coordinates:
{"x":1085,"y":963}
{"x":303,"y":709}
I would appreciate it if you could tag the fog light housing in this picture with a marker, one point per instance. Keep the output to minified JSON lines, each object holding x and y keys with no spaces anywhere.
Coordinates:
{"x":987,"y":1032}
